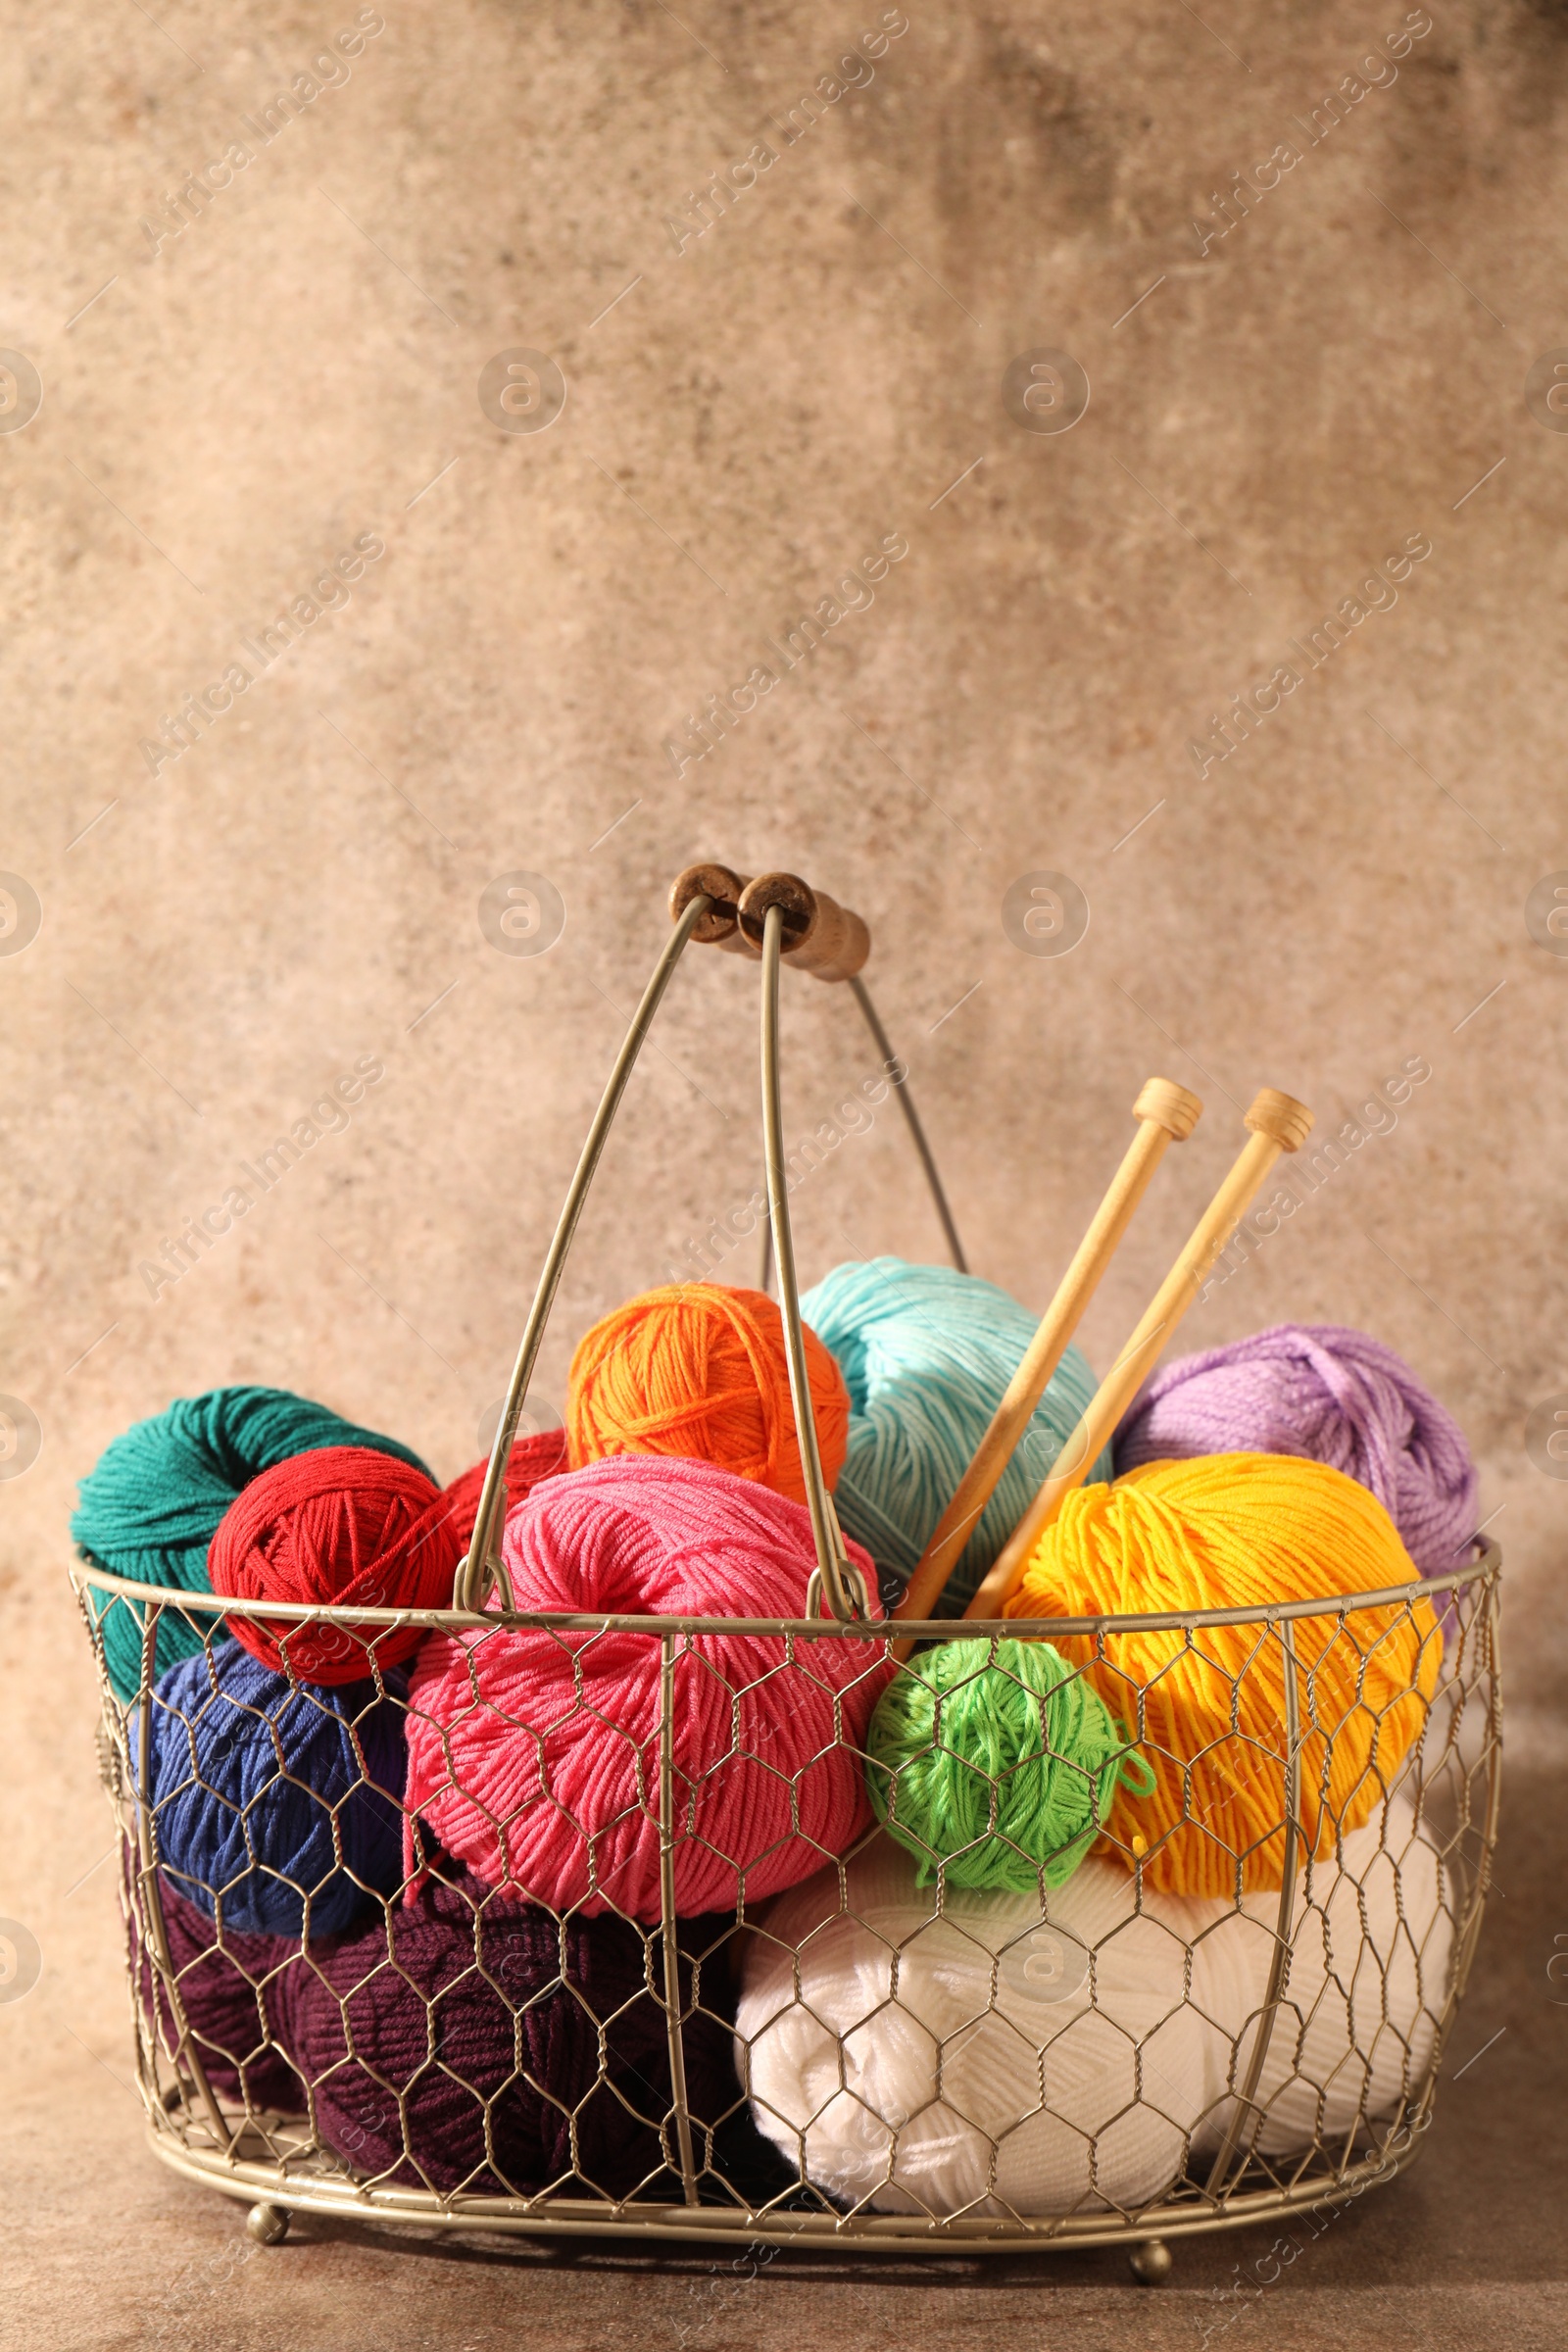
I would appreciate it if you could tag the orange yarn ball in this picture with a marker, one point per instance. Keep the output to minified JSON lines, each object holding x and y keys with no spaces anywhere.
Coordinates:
{"x":700,"y":1370}
{"x":1207,"y":1709}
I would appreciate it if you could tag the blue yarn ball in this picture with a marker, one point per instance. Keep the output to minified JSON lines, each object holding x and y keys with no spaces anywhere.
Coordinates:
{"x":251,"y":1777}
{"x":926,"y":1353}
{"x":151,"y":1504}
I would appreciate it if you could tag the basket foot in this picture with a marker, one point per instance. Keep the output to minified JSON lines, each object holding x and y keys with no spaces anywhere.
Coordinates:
{"x":268,"y":2224}
{"x":1151,"y":2262}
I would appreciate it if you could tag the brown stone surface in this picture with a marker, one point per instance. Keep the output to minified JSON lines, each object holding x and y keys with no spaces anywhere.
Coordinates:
{"x":815,"y":375}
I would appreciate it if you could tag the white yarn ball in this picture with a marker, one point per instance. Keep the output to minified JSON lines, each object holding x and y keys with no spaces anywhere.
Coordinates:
{"x":1371,"y":1954}
{"x":914,"y":2061}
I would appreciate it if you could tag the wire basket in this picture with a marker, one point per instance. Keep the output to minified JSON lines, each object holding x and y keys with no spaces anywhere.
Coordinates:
{"x":862,"y":2060}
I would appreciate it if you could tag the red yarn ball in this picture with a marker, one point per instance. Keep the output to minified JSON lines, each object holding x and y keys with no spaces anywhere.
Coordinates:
{"x":336,"y":1527}
{"x":531,"y":1459}
{"x":534,"y":1756}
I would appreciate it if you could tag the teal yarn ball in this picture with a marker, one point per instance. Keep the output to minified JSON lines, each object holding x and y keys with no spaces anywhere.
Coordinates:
{"x":999,"y":1761}
{"x":926,"y":1353}
{"x":151,"y":1503}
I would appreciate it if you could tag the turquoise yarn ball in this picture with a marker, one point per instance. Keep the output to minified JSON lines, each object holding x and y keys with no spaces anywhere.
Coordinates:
{"x":926,"y":1353}
{"x":999,"y":1763}
{"x":151,"y":1505}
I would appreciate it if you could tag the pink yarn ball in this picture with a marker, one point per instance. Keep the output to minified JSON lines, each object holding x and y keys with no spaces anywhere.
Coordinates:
{"x":534,"y":1757}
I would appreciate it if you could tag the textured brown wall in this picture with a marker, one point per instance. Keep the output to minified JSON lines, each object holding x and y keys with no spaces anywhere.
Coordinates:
{"x":298,"y":367}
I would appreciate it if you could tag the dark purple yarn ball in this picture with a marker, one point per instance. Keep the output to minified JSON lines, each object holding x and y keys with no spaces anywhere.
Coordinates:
{"x":232,"y":1994}
{"x":456,"y":2043}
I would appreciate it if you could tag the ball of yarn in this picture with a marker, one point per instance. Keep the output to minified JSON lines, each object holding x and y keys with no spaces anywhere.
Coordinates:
{"x":698,"y":1369}
{"x":534,"y":1756}
{"x":275,"y":1807}
{"x":1370,"y":1967}
{"x":1209,"y":1710}
{"x":926,"y":1354}
{"x":336,"y":1527}
{"x":980,"y":2056}
{"x":999,"y":1761}
{"x":531,"y":1459}
{"x":469,"y":2042}
{"x":151,"y":1504}
{"x":1328,"y":1395}
{"x":233,"y":1994}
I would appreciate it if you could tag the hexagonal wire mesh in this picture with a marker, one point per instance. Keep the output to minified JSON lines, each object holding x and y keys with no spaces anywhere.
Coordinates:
{"x":333,"y":2013}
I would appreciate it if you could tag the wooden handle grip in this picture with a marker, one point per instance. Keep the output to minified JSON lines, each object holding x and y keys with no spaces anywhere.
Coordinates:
{"x":719,"y":927}
{"x":1278,"y":1124}
{"x":820,"y":936}
{"x":1166,"y":1113}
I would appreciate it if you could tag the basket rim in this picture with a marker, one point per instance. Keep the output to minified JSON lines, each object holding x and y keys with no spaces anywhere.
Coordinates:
{"x":87,"y":1573}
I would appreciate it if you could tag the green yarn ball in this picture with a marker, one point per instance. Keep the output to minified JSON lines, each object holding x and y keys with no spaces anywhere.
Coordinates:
{"x":926,"y":1354}
{"x":151,"y":1505}
{"x":998,"y":1760}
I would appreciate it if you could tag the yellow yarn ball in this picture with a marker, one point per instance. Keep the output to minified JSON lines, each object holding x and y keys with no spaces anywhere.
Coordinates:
{"x":1207,"y":1709}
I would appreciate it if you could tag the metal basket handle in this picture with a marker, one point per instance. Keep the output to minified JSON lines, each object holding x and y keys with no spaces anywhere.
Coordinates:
{"x":832,"y":1561}
{"x":773,"y":918}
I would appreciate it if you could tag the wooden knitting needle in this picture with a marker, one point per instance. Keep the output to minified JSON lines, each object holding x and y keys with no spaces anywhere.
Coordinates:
{"x":1166,"y":1112}
{"x":1279,"y":1123}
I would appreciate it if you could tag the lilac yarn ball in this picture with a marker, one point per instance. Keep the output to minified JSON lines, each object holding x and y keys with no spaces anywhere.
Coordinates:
{"x":1328,"y":1395}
